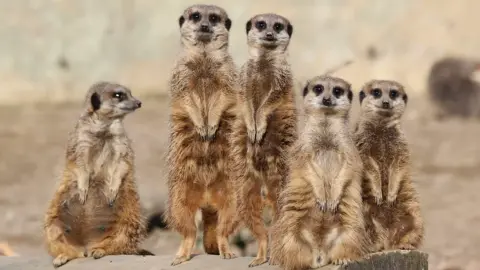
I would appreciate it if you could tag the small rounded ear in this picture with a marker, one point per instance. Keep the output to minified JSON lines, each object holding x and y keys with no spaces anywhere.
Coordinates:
{"x":181,"y":20}
{"x":350,"y":95}
{"x":249,"y":26}
{"x":361,"y":96}
{"x":290,"y":30}
{"x":95,"y":102}
{"x":228,"y":24}
{"x":305,"y":90}
{"x":405,"y":98}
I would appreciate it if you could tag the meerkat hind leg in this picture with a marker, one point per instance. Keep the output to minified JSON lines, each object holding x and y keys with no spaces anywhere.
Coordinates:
{"x":56,"y":245}
{"x":226,"y":225}
{"x":251,"y":209}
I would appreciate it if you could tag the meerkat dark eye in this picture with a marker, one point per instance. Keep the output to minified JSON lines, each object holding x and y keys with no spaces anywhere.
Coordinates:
{"x":376,"y":93}
{"x":119,"y":95}
{"x":260,"y":25}
{"x":338,"y":91}
{"x":195,"y":16}
{"x":318,"y":89}
{"x":214,"y":18}
{"x":278,"y":27}
{"x":393,"y":94}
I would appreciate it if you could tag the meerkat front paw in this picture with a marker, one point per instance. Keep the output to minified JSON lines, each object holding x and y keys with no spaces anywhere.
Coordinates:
{"x":82,"y":194}
{"x":202,"y":131}
{"x":211,"y":131}
{"x":260,"y":133}
{"x":392,"y":197}
{"x":333,"y":205}
{"x":322,"y":205}
{"x":251,"y":134}
{"x":377,"y":195}
{"x":111,"y":195}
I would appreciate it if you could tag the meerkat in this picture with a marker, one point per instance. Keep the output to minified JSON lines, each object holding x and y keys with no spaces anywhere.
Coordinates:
{"x":202,"y":99}
{"x":391,"y":203}
{"x":96,"y":211}
{"x":452,"y":89}
{"x":321,"y":204}
{"x":265,"y":125}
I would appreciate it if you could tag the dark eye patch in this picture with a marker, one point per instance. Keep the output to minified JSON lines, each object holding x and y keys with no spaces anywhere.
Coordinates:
{"x":119,"y":95}
{"x":214,"y":18}
{"x":338,"y":91}
{"x":393,"y":94}
{"x":278,"y":27}
{"x":261,"y":25}
{"x":376,"y":92}
{"x":318,"y":89}
{"x":361,"y":96}
{"x":195,"y":16}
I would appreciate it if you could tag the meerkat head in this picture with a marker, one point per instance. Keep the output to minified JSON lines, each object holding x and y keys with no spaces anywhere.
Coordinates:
{"x":383,"y":97}
{"x":204,"y":24}
{"x":269,"y":31}
{"x":110,"y":100}
{"x":327,"y":94}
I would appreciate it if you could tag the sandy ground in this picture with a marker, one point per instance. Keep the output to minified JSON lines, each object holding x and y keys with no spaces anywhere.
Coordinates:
{"x":446,"y":159}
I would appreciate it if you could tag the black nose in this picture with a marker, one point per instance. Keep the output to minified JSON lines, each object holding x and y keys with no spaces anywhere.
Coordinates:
{"x":269,"y":36}
{"x":327,"y":101}
{"x":139,"y":104}
{"x":205,"y":28}
{"x":386,"y":105}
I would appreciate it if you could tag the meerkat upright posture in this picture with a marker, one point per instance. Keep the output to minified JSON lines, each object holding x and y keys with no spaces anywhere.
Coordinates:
{"x":321,"y":204}
{"x":96,"y":209}
{"x":202,"y":92}
{"x":391,"y":204}
{"x":265,"y":126}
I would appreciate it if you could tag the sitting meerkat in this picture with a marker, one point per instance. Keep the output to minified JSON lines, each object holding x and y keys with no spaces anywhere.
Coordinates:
{"x":202,"y":100}
{"x":391,"y":204}
{"x":95,"y":210}
{"x":265,"y":127}
{"x":321,"y":204}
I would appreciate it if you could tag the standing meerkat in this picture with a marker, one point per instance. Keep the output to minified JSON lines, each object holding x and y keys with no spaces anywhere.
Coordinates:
{"x":265,"y":126}
{"x":201,"y":114}
{"x":321,"y":204}
{"x":391,"y":204}
{"x":96,"y":210}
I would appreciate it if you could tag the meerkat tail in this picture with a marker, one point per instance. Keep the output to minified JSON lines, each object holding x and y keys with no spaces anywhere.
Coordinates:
{"x":210,"y":219}
{"x":144,"y":252}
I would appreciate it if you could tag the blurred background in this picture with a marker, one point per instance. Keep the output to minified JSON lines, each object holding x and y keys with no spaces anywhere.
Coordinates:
{"x":51,"y":51}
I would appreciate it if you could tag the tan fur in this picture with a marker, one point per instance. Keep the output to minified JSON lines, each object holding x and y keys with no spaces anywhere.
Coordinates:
{"x":265,"y":126}
{"x":96,"y":211}
{"x":321,"y":205}
{"x":391,"y":203}
{"x":202,"y":92}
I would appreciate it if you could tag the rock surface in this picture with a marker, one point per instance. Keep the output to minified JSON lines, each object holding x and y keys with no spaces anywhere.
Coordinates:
{"x":395,"y":260}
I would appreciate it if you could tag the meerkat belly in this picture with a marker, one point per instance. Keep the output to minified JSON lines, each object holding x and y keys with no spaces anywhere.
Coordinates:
{"x":329,"y":163}
{"x":99,"y":215}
